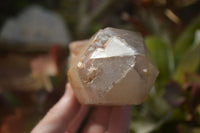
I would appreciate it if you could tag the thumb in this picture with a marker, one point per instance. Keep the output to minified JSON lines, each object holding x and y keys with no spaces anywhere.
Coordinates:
{"x":60,"y":115}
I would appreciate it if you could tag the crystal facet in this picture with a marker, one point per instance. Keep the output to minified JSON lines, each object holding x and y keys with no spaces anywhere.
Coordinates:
{"x":112,"y":68}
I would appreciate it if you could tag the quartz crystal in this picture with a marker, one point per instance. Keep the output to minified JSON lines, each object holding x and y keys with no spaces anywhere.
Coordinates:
{"x":75,"y":48}
{"x":112,"y":68}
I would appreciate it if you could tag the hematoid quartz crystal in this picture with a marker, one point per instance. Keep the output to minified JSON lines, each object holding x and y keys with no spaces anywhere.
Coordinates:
{"x":114,"y":67}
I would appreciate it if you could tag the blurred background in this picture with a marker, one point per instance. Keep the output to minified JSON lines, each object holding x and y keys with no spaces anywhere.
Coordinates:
{"x":34,"y":40}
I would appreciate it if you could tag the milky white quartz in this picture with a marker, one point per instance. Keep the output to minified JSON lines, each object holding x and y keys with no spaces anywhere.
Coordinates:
{"x":112,"y":68}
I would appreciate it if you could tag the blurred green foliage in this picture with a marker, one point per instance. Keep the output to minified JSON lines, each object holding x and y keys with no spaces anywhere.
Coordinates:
{"x":163,"y":57}
{"x":176,"y":63}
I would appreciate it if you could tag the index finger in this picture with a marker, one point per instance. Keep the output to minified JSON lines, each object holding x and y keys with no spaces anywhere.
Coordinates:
{"x":120,"y":119}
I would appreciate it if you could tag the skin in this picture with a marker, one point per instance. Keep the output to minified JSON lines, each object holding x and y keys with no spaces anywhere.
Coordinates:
{"x":68,"y":116}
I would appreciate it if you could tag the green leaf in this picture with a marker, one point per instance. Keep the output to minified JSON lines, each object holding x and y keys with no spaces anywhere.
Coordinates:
{"x":163,"y":56}
{"x":188,"y":64}
{"x":186,"y":39}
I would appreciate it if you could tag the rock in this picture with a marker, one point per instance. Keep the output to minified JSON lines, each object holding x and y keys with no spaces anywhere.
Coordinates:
{"x":36,"y":25}
{"x":113,"y":68}
{"x":75,"y":48}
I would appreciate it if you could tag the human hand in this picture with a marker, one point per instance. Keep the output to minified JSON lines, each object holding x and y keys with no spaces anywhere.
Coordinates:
{"x":69,"y":116}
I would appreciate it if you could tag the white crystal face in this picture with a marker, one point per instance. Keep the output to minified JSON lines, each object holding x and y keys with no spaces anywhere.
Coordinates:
{"x":113,"y":69}
{"x":112,"y":48}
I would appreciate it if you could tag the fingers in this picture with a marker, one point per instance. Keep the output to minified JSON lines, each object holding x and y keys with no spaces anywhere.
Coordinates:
{"x":77,"y":121}
{"x":57,"y":119}
{"x":98,"y":121}
{"x":68,"y":115}
{"x":120,"y":119}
